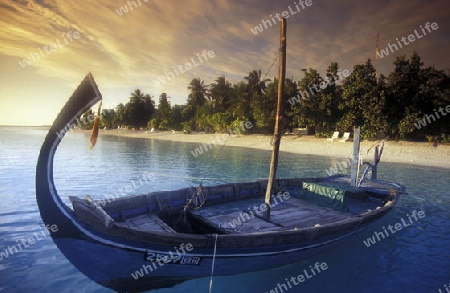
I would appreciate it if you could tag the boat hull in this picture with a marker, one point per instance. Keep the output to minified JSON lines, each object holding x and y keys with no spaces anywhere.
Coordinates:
{"x":126,"y":270}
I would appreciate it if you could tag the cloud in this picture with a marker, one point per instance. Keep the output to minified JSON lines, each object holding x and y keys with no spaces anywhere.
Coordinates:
{"x":131,"y":51}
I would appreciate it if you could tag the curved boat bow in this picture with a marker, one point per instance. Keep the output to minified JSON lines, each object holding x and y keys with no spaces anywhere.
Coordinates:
{"x":53,"y":210}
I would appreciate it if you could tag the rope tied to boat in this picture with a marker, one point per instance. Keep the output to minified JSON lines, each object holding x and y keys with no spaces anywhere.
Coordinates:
{"x":213,"y":263}
{"x":197,"y":199}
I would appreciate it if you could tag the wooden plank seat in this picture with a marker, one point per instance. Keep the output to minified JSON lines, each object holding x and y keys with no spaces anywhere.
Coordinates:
{"x":244,"y":216}
{"x":148,"y":222}
{"x":90,"y":212}
{"x":232,"y":218}
{"x":300,"y":213}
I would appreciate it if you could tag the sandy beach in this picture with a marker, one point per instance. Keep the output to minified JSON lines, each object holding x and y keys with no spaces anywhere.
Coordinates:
{"x":419,"y":153}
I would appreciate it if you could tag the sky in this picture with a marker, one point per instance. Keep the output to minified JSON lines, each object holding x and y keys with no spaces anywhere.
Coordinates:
{"x":48,"y":46}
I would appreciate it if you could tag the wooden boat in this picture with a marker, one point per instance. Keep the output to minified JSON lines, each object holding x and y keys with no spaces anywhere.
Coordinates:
{"x":173,"y":236}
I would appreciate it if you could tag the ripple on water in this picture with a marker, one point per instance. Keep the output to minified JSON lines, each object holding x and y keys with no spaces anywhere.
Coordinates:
{"x":415,"y":259}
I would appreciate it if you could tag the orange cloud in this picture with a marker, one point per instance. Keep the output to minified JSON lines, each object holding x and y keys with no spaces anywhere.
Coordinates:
{"x":132,"y":50}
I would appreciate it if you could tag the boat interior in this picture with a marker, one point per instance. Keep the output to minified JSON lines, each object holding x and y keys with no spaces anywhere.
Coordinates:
{"x":237,"y":208}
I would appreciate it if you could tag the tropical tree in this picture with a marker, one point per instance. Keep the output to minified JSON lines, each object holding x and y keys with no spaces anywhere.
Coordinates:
{"x":256,"y":86}
{"x":120,"y":115}
{"x":240,"y":104}
{"x":309,"y":109}
{"x":177,"y":116}
{"x":392,"y":105}
{"x":188,"y":118}
{"x":264,"y":108}
{"x":164,"y":112}
{"x":414,"y":92}
{"x":433,"y":97}
{"x":108,"y":118}
{"x":220,"y":93}
{"x":403,"y":85}
{"x":362,"y":102}
{"x":139,"y":110}
{"x":198,"y":95}
{"x":331,"y":98}
{"x":264,"y":112}
{"x":290,"y":90}
{"x":197,"y":101}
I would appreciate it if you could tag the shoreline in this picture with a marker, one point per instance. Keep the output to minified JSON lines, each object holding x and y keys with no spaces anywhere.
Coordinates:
{"x":417,"y":153}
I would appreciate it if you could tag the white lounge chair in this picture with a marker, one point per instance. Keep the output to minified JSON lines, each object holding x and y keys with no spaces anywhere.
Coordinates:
{"x":335,"y":136}
{"x":345,"y":137}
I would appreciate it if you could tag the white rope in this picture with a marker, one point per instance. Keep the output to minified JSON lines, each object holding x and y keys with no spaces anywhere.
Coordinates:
{"x":212,"y":267}
{"x":279,"y":52}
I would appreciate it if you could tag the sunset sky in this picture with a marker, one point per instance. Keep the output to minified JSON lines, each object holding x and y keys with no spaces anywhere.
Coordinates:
{"x":69,"y":38}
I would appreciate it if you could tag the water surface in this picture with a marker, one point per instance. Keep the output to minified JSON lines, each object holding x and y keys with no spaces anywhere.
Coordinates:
{"x":415,"y":259}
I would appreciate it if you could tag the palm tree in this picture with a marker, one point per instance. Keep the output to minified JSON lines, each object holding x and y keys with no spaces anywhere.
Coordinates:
{"x":164,"y":113}
{"x":136,"y":96}
{"x":198,"y":94}
{"x":140,"y":109}
{"x":255,"y":90}
{"x":255,"y":84}
{"x":220,"y":93}
{"x":240,"y":103}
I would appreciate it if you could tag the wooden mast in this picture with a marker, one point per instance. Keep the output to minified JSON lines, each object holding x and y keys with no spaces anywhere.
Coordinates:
{"x":354,"y":173}
{"x":279,"y":116}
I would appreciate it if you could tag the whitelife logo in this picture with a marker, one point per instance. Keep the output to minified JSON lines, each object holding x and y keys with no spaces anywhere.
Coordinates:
{"x":186,"y":67}
{"x":411,"y":38}
{"x":49,"y":49}
{"x":301,"y":5}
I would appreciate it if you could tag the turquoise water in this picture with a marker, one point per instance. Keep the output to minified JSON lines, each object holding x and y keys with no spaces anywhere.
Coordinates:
{"x":415,"y":259}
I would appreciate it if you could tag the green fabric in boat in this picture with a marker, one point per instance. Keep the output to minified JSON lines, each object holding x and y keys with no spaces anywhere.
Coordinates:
{"x":324,"y":195}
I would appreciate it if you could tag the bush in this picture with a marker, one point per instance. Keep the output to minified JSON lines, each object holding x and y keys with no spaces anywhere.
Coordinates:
{"x":187,"y":127}
{"x":323,"y":134}
{"x":219,"y":121}
{"x":154,"y":123}
{"x":235,"y":126}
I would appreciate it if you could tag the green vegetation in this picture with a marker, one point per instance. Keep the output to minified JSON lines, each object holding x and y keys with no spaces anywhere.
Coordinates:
{"x":384,"y":106}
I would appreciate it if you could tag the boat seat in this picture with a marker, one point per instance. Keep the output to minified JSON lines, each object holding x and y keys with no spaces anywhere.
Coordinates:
{"x":301,"y":213}
{"x":148,"y":222}
{"x":232,"y":218}
{"x":239,"y":217}
{"x":88,"y":211}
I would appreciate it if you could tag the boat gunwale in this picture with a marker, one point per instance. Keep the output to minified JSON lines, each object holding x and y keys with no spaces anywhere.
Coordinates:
{"x":144,"y":237}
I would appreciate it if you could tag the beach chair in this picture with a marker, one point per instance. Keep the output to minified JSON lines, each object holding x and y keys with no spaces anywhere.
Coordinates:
{"x":335,"y":136}
{"x":345,"y":137}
